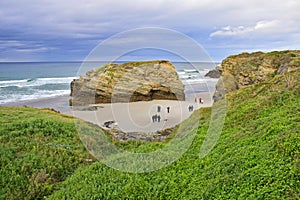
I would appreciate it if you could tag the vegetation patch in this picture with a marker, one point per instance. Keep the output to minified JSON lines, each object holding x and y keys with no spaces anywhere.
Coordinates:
{"x":39,"y":149}
{"x":256,"y":157}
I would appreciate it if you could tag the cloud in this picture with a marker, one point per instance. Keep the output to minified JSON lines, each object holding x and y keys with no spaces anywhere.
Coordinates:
{"x":89,"y":18}
{"x":23,"y":46}
{"x":11,"y":43}
{"x":70,"y":29}
{"x":149,"y":41}
{"x":259,"y":27}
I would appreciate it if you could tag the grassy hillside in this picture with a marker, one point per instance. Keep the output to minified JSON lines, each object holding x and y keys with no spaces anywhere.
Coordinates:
{"x":39,"y":148}
{"x":256,"y":157}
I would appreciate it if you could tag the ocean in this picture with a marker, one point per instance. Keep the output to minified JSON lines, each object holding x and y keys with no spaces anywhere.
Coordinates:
{"x":24,"y":81}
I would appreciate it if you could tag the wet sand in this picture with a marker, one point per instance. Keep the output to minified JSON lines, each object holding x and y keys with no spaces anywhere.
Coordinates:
{"x":60,"y":104}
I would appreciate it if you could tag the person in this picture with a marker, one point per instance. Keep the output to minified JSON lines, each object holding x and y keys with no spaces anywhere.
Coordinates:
{"x":158,"y":118}
{"x":158,"y":108}
{"x":153,"y":118}
{"x":200,"y":100}
{"x":168,"y":109}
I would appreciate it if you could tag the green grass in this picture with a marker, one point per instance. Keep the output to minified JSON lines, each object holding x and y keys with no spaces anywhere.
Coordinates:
{"x":39,"y":148}
{"x":256,"y":157}
{"x":104,"y":66}
{"x":139,"y":63}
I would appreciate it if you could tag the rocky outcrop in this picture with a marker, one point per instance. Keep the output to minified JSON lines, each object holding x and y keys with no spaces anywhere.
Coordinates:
{"x":245,"y":69}
{"x":128,"y":82}
{"x":158,"y":136}
{"x":215,"y":73}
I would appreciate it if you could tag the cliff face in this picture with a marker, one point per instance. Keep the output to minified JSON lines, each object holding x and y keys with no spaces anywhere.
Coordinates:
{"x":128,"y":82}
{"x":246,"y":69}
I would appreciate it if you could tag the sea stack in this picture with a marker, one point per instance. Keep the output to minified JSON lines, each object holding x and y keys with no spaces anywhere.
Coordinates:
{"x":128,"y":82}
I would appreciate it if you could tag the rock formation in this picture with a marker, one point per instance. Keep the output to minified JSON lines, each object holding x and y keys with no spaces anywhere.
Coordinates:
{"x":128,"y":82}
{"x":215,"y":73}
{"x":246,"y":69}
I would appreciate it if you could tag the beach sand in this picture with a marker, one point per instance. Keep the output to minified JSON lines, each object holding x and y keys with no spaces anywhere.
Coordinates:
{"x":128,"y":117}
{"x":59,"y":103}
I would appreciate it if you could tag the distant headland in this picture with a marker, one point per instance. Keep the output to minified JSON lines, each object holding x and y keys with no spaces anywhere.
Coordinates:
{"x":239,"y":71}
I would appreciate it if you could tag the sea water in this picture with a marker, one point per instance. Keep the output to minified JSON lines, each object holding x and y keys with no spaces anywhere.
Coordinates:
{"x":23,"y":81}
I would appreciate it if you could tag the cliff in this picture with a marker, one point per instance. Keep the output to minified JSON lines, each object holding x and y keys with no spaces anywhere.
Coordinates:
{"x":128,"y":82}
{"x":246,"y":69}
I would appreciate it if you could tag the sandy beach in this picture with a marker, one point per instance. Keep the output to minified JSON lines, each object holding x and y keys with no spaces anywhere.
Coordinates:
{"x":128,"y":117}
{"x":59,"y":103}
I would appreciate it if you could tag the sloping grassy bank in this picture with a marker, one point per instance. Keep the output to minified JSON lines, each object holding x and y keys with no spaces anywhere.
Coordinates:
{"x":39,"y":148}
{"x":256,"y":157}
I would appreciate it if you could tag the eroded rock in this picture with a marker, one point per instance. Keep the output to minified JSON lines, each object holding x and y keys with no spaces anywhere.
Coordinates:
{"x":128,"y":82}
{"x":246,"y":69}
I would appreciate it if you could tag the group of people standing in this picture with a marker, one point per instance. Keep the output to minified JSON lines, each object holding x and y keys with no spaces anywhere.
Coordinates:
{"x":156,"y":117}
{"x":191,"y":108}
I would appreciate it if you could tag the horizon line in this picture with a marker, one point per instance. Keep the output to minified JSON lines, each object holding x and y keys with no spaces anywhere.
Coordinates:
{"x":108,"y":61}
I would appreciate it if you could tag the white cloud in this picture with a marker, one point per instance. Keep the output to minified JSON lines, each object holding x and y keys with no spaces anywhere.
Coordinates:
{"x":92,"y":17}
{"x":267,"y":24}
{"x":70,"y":22}
{"x":11,"y":43}
{"x":24,"y":46}
{"x":35,"y":49}
{"x":260,"y":27}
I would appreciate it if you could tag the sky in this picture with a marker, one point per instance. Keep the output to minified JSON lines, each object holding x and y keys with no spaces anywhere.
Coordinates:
{"x":69,"y":30}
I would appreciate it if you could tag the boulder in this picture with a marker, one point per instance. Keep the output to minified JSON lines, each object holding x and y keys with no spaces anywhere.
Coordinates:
{"x":215,"y":73}
{"x":128,"y":82}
